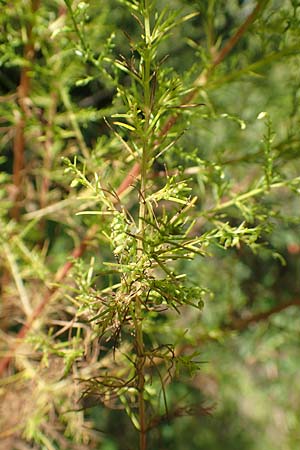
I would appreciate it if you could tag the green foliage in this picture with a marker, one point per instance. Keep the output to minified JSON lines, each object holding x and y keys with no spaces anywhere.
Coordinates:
{"x":149,"y":194}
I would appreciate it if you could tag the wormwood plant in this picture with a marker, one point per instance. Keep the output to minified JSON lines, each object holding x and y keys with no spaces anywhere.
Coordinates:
{"x":108,"y":136}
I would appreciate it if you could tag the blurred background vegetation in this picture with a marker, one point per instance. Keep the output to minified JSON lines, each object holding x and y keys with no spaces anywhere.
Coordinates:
{"x":58,"y":86}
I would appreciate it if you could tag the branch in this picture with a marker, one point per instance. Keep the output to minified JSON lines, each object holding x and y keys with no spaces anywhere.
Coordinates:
{"x":242,"y":324}
{"x":238,"y":325}
{"x":19,"y":138}
{"x":261,"y":4}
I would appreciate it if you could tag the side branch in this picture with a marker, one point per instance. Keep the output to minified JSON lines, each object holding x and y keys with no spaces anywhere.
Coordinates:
{"x":242,"y":324}
{"x":239,"y":33}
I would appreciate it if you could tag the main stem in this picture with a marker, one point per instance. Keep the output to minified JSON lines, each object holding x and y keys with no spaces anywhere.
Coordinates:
{"x":142,"y":216}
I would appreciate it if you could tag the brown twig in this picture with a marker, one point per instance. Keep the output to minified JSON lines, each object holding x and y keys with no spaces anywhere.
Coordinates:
{"x":127,"y":182}
{"x":23,"y":95}
{"x":242,"y":324}
{"x":239,"y":33}
{"x":238,"y":325}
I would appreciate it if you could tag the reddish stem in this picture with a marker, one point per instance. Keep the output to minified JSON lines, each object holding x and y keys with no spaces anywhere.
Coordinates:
{"x":19,"y":138}
{"x":242,"y":324}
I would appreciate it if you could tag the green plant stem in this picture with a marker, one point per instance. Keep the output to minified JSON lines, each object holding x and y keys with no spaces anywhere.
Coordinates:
{"x":76,"y":28}
{"x":142,"y":216}
{"x":242,"y":197}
